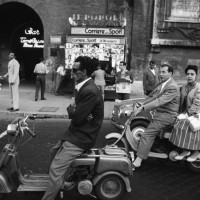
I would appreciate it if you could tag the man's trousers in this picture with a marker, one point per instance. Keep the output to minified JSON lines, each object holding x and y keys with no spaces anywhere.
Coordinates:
{"x":159,"y":122}
{"x":66,"y":154}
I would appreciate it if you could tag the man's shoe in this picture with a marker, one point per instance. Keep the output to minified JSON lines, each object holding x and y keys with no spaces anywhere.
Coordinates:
{"x":14,"y":110}
{"x":183,"y":155}
{"x":193,"y":157}
{"x":43,"y":99}
{"x":69,"y":185}
{"x":36,"y":99}
{"x":10,"y":108}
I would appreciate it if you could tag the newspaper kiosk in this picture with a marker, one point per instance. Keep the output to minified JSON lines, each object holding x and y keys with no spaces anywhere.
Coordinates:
{"x":107,"y":45}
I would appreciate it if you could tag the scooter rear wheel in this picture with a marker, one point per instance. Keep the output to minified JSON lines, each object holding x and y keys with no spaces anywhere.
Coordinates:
{"x":194,"y":166}
{"x":110,"y":187}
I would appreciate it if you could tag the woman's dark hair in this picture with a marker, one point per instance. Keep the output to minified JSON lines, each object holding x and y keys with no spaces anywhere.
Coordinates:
{"x":192,"y":67}
{"x":87,"y":63}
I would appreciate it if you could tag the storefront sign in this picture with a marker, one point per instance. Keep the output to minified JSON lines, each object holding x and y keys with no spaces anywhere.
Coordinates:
{"x":174,"y":42}
{"x":184,"y":10}
{"x":32,"y":43}
{"x":29,"y":42}
{"x":55,"y":39}
{"x":96,"y":40}
{"x":97,"y":31}
{"x":31,"y":31}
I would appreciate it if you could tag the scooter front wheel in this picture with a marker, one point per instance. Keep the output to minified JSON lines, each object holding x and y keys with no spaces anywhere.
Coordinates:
{"x":110,"y":187}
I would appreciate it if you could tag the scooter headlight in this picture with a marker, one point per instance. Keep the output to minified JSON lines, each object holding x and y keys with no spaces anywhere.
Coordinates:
{"x":11,"y":129}
{"x":85,"y":187}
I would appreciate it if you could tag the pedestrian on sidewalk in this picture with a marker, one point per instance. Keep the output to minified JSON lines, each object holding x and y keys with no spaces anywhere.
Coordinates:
{"x":150,"y":78}
{"x":124,"y":79}
{"x":40,"y":71}
{"x":99,"y":79}
{"x":86,"y":116}
{"x":13,"y":80}
{"x":61,"y":71}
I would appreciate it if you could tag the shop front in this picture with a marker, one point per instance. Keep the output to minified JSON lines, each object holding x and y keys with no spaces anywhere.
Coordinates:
{"x":106,"y":45}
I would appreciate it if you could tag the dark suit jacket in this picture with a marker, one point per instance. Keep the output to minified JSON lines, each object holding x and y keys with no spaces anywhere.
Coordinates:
{"x":150,"y":80}
{"x":167,"y":101}
{"x":87,"y":117}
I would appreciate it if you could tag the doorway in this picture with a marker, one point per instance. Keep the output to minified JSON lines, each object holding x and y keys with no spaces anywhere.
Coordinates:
{"x":22,"y":33}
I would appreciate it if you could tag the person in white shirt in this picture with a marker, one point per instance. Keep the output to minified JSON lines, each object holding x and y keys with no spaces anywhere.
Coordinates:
{"x":13,"y":79}
{"x":61,"y":71}
{"x":41,"y":71}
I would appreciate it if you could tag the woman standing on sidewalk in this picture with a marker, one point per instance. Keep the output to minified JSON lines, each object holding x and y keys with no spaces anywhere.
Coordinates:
{"x":123,"y":82}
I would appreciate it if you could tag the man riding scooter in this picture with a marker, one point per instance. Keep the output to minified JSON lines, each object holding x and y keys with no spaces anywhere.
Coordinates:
{"x":87,"y":116}
{"x":164,"y":101}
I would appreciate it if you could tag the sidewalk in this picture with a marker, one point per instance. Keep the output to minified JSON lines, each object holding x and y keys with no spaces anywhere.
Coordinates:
{"x":54,"y":106}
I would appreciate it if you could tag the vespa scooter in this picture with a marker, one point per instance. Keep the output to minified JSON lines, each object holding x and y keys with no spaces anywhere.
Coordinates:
{"x":102,"y":173}
{"x":130,"y":137}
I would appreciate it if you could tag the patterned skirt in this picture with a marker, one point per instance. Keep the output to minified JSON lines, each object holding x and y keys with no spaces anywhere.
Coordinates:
{"x":183,"y":137}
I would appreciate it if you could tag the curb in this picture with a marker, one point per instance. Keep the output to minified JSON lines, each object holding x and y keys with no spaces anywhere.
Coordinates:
{"x":45,"y":115}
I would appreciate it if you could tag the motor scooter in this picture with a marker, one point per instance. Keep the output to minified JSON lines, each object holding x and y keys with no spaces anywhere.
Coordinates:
{"x":102,"y":173}
{"x":161,"y":149}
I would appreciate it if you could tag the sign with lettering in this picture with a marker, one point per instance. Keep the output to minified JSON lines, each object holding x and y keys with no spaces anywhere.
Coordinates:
{"x":31,"y":42}
{"x":90,"y":40}
{"x":97,"y":31}
{"x":175,"y":42}
{"x":184,"y":11}
{"x":55,"y":39}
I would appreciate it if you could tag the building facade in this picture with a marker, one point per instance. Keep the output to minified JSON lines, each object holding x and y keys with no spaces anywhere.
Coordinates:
{"x":154,"y":30}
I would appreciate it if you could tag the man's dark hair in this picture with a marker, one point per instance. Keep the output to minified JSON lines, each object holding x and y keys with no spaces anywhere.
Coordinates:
{"x":170,"y":68}
{"x":87,"y":63}
{"x":152,"y":62}
{"x":192,"y":67}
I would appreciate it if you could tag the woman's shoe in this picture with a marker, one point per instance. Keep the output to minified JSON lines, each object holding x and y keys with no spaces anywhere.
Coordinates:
{"x":193,"y":156}
{"x":182,"y":155}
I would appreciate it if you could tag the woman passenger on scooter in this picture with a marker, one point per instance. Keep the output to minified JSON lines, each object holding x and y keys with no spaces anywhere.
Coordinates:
{"x":182,"y":136}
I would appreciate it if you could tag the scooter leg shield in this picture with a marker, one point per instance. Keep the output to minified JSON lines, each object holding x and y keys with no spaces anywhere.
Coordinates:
{"x":5,"y":183}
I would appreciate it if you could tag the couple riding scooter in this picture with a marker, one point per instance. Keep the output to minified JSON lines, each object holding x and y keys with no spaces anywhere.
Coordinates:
{"x":165,"y":102}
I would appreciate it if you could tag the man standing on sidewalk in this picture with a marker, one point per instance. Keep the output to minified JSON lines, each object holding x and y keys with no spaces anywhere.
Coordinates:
{"x":13,"y":79}
{"x":40,"y":71}
{"x":150,"y":78}
{"x":61,"y":71}
{"x":86,"y":115}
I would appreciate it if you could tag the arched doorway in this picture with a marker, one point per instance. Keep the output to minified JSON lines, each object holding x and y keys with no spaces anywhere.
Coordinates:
{"x":21,"y":32}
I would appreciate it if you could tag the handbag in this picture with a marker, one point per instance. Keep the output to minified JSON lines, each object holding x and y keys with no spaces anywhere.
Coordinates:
{"x":194,"y":122}
{"x":182,"y":116}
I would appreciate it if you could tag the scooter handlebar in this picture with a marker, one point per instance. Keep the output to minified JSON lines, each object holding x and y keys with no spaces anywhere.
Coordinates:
{"x":3,"y":134}
{"x":33,"y":117}
{"x":31,"y":132}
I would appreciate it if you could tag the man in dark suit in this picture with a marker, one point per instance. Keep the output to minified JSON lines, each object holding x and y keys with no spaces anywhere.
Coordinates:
{"x":87,"y":114}
{"x":165,"y":103}
{"x":150,"y":78}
